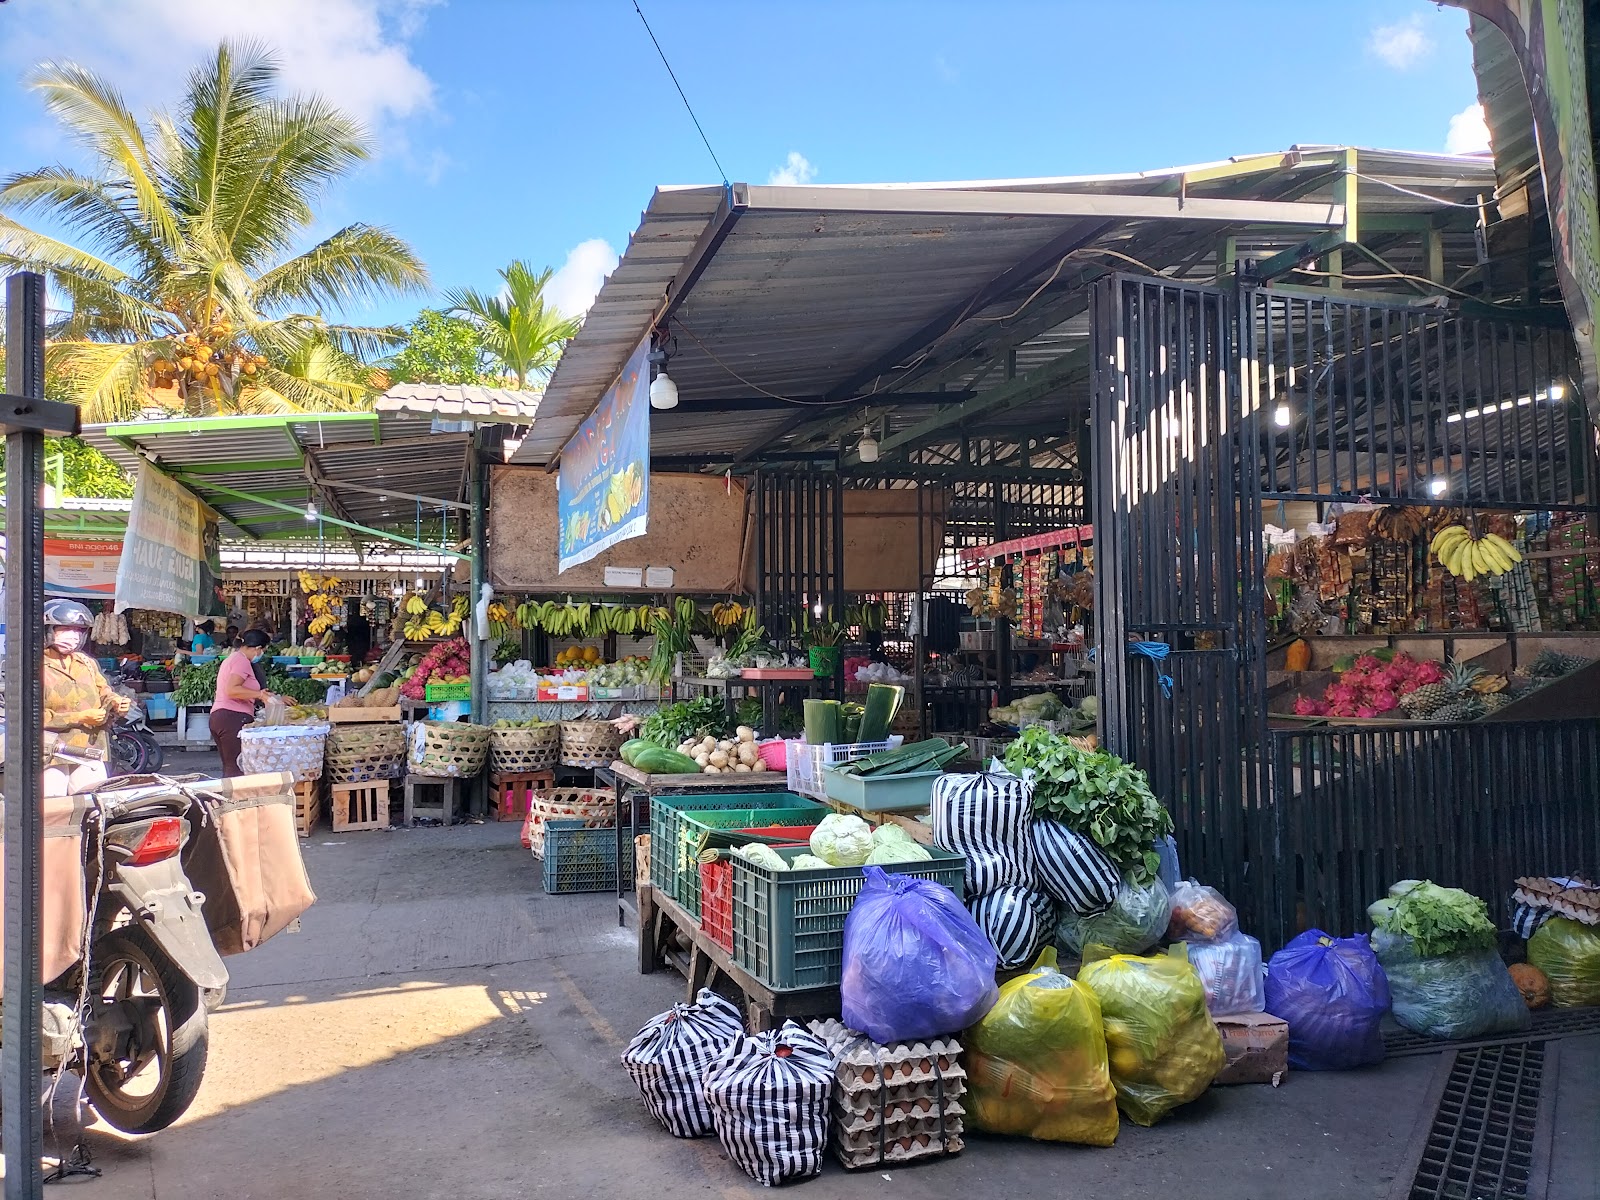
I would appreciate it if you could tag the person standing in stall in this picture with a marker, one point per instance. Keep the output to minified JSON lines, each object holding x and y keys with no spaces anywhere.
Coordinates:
{"x":234,"y":706}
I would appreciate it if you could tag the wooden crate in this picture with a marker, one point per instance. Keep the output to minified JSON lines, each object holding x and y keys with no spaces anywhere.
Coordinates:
{"x":353,"y":716}
{"x":512,"y":793}
{"x":357,"y":806}
{"x":307,"y":806}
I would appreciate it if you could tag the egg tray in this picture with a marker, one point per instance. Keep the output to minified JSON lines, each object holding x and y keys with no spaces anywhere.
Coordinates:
{"x":899,"y":1116}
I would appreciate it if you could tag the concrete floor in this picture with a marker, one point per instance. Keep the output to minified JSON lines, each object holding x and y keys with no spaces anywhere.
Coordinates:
{"x":441,"y":1028}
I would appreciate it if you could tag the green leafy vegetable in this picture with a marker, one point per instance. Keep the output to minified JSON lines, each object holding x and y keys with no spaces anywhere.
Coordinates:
{"x":1439,"y":920}
{"x":673,"y":724}
{"x":1098,"y":795}
{"x":196,"y":685}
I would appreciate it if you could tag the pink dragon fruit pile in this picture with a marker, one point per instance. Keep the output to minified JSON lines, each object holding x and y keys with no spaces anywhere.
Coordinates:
{"x":1371,"y":687}
{"x":447,"y":660}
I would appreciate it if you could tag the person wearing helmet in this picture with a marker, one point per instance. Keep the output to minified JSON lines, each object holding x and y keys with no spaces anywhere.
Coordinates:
{"x":78,"y":702}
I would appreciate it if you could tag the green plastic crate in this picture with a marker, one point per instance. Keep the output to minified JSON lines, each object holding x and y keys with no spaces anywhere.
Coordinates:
{"x":881,"y":793}
{"x":578,"y":858}
{"x":693,"y":825}
{"x":788,"y":927}
{"x":447,"y":691}
{"x":665,"y":867}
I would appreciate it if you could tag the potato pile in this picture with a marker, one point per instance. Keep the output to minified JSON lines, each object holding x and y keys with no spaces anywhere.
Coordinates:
{"x":716,"y":756}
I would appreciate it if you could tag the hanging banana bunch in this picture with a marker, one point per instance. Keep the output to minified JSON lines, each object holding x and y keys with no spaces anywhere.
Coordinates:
{"x":725,"y":616}
{"x":1469,"y":557}
{"x":416,"y":604}
{"x":500,"y":620}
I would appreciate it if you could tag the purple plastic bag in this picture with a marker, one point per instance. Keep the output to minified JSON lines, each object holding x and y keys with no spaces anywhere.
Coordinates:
{"x":1333,"y":993}
{"x":916,"y":965}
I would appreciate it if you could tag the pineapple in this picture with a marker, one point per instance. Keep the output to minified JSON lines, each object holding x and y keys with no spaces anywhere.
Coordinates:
{"x":1495,"y":701}
{"x":1425,"y":700}
{"x":1467,"y":706}
{"x":1431,"y":701}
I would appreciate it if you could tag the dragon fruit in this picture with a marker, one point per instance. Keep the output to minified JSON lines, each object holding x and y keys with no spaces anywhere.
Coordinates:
{"x":1369,"y":663}
{"x":1341,"y":694}
{"x":1366,"y":710}
{"x":1306,"y":706}
{"x":1381,"y":701}
{"x":1409,"y":686}
{"x":1342,"y":710}
{"x":1428,"y":672}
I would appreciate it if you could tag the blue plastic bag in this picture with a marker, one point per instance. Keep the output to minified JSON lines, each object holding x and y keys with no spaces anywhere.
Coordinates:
{"x":1333,"y":994}
{"x":916,"y":965}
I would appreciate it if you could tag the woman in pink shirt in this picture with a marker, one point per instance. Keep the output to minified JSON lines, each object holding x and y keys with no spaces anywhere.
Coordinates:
{"x":235,"y":704}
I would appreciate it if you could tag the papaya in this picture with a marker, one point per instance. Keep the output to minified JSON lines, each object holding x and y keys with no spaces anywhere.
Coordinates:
{"x":656,"y":760}
{"x":630,"y":749}
{"x":1298,"y":657}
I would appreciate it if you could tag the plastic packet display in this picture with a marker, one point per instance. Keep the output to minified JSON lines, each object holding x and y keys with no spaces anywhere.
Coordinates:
{"x":1130,"y":926}
{"x":916,"y":965}
{"x":1163,"y":1048}
{"x":1037,"y":1064}
{"x":1568,"y":952}
{"x":1333,"y":994}
{"x":1462,"y":995}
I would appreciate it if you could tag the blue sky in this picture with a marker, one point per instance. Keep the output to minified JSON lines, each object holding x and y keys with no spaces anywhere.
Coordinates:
{"x":538,"y":128}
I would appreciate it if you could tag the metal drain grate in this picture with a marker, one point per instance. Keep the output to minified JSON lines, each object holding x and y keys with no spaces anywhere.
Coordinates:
{"x":1489,"y":1138}
{"x":1549,"y":1024}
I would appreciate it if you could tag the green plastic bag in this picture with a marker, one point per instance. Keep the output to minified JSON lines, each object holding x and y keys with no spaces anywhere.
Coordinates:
{"x":1036,"y":1063}
{"x":1569,"y":953}
{"x":1162,"y":1046}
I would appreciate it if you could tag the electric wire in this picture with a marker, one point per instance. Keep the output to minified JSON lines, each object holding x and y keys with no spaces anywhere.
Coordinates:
{"x":681,"y":96}
{"x":1392,"y":186}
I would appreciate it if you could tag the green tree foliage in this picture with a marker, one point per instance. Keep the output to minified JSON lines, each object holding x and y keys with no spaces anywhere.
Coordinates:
{"x":87,"y":472}
{"x":442,"y":349}
{"x":186,"y":277}
{"x":524,"y":333}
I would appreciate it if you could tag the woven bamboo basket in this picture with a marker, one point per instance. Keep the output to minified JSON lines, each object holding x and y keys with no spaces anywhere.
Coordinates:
{"x":362,"y":753}
{"x":447,"y":749}
{"x":595,"y":807}
{"x":296,"y":749}
{"x":521,"y":751}
{"x":589,"y":743}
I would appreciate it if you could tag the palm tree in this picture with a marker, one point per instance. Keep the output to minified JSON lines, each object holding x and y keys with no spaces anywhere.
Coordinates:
{"x":523,"y":332}
{"x":183,"y":277}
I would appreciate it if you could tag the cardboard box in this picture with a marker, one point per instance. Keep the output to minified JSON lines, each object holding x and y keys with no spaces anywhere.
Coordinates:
{"x":1257,"y":1048}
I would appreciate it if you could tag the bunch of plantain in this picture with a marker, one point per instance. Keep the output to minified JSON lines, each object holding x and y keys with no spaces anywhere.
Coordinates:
{"x":1471,"y":557}
{"x":1399,"y":522}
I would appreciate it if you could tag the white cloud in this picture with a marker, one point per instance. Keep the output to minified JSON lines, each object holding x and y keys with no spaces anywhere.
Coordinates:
{"x":577,"y":281}
{"x":796,"y":169}
{"x":355,"y":53}
{"x":942,"y":68}
{"x":1402,"y":44}
{"x":1469,"y":132}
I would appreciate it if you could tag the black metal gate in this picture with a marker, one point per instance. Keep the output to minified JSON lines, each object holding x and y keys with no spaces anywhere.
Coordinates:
{"x":1179,"y":562}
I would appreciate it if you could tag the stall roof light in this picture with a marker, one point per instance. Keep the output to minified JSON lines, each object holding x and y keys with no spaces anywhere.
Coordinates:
{"x":1553,"y":396}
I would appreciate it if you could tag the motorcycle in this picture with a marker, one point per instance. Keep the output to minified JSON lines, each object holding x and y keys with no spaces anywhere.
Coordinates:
{"x":142,"y":1039}
{"x":134,"y":749}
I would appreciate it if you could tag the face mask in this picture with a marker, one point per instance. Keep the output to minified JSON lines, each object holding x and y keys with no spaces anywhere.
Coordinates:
{"x":68,"y":640}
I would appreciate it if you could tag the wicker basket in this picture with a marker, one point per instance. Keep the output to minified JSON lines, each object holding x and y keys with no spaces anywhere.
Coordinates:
{"x":522,"y":751}
{"x":362,"y":753}
{"x":595,"y":807}
{"x":296,"y":749}
{"x":589,"y":743}
{"x":447,"y":749}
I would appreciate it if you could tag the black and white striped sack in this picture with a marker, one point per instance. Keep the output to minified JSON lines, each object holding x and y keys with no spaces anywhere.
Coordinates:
{"x":1072,"y":869}
{"x":769,"y":1095}
{"x":669,"y":1057}
{"x":1016,"y":921}
{"x":986,"y":818}
{"x":1526,"y":920}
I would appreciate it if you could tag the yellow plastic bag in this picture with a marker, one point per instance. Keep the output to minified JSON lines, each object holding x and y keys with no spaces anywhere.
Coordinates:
{"x":1569,"y":953}
{"x":1036,"y":1064}
{"x":1163,"y":1048}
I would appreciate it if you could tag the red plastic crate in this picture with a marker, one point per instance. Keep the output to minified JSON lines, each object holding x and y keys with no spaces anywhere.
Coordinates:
{"x":716,"y":902}
{"x":795,"y":834}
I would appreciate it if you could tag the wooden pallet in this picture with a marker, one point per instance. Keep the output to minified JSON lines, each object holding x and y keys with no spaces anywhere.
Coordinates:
{"x":307,"y":806}
{"x":450,"y":797}
{"x":510,"y":794}
{"x":358,"y":806}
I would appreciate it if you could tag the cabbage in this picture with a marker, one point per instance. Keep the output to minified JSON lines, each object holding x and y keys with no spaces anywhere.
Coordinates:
{"x":842,"y":841}
{"x":763,"y":856}
{"x":809,"y":862}
{"x":895,"y":851}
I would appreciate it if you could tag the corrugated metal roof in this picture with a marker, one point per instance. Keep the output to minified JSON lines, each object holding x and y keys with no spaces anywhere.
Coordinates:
{"x":462,"y":402}
{"x":808,"y":293}
{"x":368,"y":468}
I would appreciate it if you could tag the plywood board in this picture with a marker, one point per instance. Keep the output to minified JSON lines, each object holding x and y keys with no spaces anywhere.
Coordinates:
{"x":880,"y":538}
{"x":697,"y":528}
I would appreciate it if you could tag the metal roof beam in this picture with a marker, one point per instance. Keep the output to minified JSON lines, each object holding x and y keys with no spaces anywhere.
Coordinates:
{"x":138,"y":429}
{"x":341,"y":486}
{"x":937,"y":202}
{"x":235,"y":468}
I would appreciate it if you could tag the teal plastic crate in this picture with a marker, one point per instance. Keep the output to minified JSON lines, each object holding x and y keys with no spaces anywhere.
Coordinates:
{"x":788,"y":926}
{"x":666,"y":866}
{"x":881,"y":793}
{"x":578,"y":858}
{"x":694,"y":825}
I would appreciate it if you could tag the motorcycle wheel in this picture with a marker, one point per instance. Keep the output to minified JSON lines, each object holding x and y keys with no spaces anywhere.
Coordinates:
{"x":149,"y":1087}
{"x":154,"y":755}
{"x":127,"y":754}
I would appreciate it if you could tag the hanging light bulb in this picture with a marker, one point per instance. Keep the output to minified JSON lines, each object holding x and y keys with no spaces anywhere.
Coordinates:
{"x":1281,"y":415}
{"x":1438,"y":487}
{"x":867,"y":447}
{"x":311,"y":510}
{"x":663,"y":392}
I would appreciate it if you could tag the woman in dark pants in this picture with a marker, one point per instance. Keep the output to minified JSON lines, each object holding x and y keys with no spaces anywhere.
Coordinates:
{"x":235,"y":703}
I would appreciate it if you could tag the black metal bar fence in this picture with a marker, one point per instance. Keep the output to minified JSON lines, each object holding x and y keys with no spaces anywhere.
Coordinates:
{"x":1209,"y":402}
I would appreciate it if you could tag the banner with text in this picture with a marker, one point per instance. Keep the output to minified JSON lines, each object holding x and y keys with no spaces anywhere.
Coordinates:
{"x":81,"y":568}
{"x":163,"y":564}
{"x":603,"y":486}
